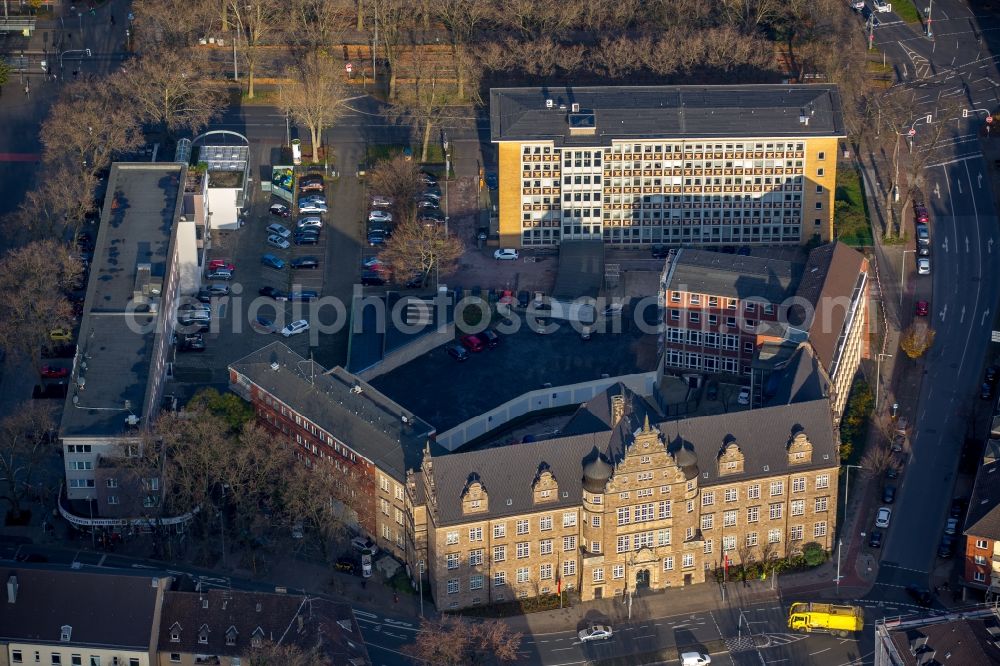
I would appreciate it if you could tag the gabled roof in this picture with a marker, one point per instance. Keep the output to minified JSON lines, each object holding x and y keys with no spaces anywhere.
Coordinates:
{"x":595,"y":414}
{"x":983,"y":519}
{"x":668,"y":112}
{"x":341,"y":404}
{"x":48,"y":598}
{"x":961,"y":640}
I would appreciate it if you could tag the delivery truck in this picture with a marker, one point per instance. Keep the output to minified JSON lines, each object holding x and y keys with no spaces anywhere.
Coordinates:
{"x":825,"y":618}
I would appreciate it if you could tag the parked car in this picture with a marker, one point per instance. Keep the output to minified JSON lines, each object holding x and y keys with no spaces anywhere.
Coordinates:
{"x":920,"y":594}
{"x":875,"y":539}
{"x":490,"y":337}
{"x":506,"y":254}
{"x":61,"y":334}
{"x":263,"y":325}
{"x":595,"y":632}
{"x":923,"y":308}
{"x":276,"y":229}
{"x":923,"y":234}
{"x":986,"y":391}
{"x":882,"y":517}
{"x":992,"y":374}
{"x":277,"y":241}
{"x":306,"y":239}
{"x":210,"y":291}
{"x":191,"y":343}
{"x":891,"y":472}
{"x":957,"y":508}
{"x":924,"y":251}
{"x":472,"y":343}
{"x":305,"y":262}
{"x":881,"y":6}
{"x":430,"y":195}
{"x":311,"y":185}
{"x":296,"y":327}
{"x":225,"y":264}
{"x":458,"y":352}
{"x":305,"y":295}
{"x":274,"y":293}
{"x":53,"y":372}
{"x":372,"y":278}
{"x":312,"y":199}
{"x":695,"y":659}
{"x":220,"y":274}
{"x":923,"y":266}
{"x":272,"y":261}
{"x":492,"y":182}
{"x":744,"y":396}
{"x":428,"y":205}
{"x":309,"y":223}
{"x":889,"y":494}
{"x":379,"y":201}
{"x":280,"y":210}
{"x":191,"y":307}
{"x":379,"y":216}
{"x":311,"y":207}
{"x":947,"y":546}
{"x":951,"y":526}
{"x":659,"y":252}
{"x":364,"y":545}
{"x":428,"y":178}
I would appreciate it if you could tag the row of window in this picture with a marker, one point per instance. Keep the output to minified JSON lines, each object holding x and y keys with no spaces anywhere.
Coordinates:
{"x":706,"y":362}
{"x":522,"y":526}
{"x":775,"y":512}
{"x":522,"y":575}
{"x":647,"y":148}
{"x":56,"y":659}
{"x":795,"y":533}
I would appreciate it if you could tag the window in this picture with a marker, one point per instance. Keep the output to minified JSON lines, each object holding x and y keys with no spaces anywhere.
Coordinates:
{"x":475,"y":557}
{"x":545,"y":547}
{"x":499,"y":553}
{"x":981,"y":544}
{"x":819,"y":173}
{"x":708,"y":521}
{"x":56,"y":659}
{"x":383,"y":484}
{"x":644,"y":512}
{"x":569,"y":567}
{"x":76,"y":660}
{"x":569,"y":543}
{"x":819,"y":189}
{"x":523,"y":550}
{"x":175,"y":657}
{"x":694,"y":317}
{"x":451,"y":538}
{"x":729,"y":518}
{"x":112,"y":483}
{"x":663,"y":537}
{"x":777,"y":488}
{"x":797,"y":507}
{"x":453,"y":586}
{"x":820,"y":504}
{"x":821,"y":155}
{"x":708,"y":499}
{"x":663,"y":509}
{"x":775,"y":510}
{"x":623,"y":543}
{"x":979,"y":559}
{"x":522,"y":527}
{"x":452,"y":559}
{"x":476,"y":534}
{"x":732,"y":494}
{"x":545,"y":523}
{"x":708,"y":546}
{"x":499,"y":579}
{"x":687,"y":561}
{"x":15,"y":656}
{"x":499,"y":530}
{"x":623,"y":515}
{"x":751,"y":538}
{"x":545,"y":572}
{"x":795,"y":533}
{"x":728,"y":543}
{"x":819,"y":529}
{"x":618,"y":571}
{"x":569,"y":519}
{"x":979,"y":576}
{"x":599,"y":575}
{"x":799,"y":484}
{"x":753,"y":492}
{"x":476,"y":582}
{"x":774,"y":536}
{"x":112,"y":499}
{"x":819,"y":205}
{"x":596,"y":521}
{"x":522,"y":575}
{"x":668,"y":563}
{"x":822,"y":481}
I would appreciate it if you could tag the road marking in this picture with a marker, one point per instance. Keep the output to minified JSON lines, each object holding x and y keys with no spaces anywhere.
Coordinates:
{"x":937,"y":190}
{"x":958,"y":184}
{"x":565,"y":648}
{"x":944,"y":312}
{"x":820,"y":651}
{"x":989,"y":245}
{"x":970,"y":156}
{"x":980,"y":177}
{"x":966,"y":243}
{"x":364,"y":613}
{"x":961,"y":319}
{"x":983,"y":320}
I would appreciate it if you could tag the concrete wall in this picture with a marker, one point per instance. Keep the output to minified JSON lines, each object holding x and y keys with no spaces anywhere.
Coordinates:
{"x":827,"y":149}
{"x":407,"y":353}
{"x":557,"y":396}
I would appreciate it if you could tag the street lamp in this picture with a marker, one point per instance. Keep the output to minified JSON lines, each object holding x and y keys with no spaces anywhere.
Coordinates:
{"x":878,"y":375}
{"x":902,"y":276}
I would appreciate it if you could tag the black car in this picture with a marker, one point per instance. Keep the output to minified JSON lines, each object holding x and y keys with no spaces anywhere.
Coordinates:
{"x":891,"y":472}
{"x":889,"y":494}
{"x":986,"y":391}
{"x":712,"y":391}
{"x":920,"y":594}
{"x":306,"y":239}
{"x":372,"y":279}
{"x":305,"y":262}
{"x":947,"y":547}
{"x":659,"y":251}
{"x":875,"y":539}
{"x":428,"y":179}
{"x":490,"y":337}
{"x":523,"y":298}
{"x":280,"y":210}
{"x":274,"y":293}
{"x":492,"y":182}
{"x":191,"y":344}
{"x":304,"y":295}
{"x":458,"y":352}
{"x":992,"y":374}
{"x":957,"y":508}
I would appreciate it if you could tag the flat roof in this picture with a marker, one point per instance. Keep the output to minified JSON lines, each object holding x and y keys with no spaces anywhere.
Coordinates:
{"x":667,"y":112}
{"x":732,"y":275}
{"x":113,"y":358}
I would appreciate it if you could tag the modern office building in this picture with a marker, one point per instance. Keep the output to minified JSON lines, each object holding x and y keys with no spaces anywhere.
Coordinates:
{"x":679,"y":165}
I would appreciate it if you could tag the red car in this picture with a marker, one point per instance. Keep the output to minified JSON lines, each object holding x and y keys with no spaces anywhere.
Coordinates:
{"x":53,"y":372}
{"x":473,"y":343}
{"x":923,"y":308}
{"x":216,"y":264}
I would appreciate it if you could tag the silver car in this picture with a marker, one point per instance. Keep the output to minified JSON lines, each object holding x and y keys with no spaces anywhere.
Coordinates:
{"x":595,"y":632}
{"x":312,"y":208}
{"x":309,"y":223}
{"x":277,"y":241}
{"x":278,"y":230}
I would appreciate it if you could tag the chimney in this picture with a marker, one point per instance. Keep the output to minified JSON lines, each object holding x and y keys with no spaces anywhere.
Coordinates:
{"x":12,"y":589}
{"x":617,"y":409}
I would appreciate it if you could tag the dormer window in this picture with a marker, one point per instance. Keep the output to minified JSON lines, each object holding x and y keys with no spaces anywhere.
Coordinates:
{"x":65,"y":633}
{"x":175,"y":632}
{"x":231,"y":636}
{"x":203,"y":634}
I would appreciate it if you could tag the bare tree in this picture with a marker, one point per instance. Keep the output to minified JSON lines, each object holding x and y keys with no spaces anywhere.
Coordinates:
{"x":25,"y":444}
{"x":536,"y":19}
{"x":285,"y":654}
{"x":394,"y":19}
{"x":423,"y":104}
{"x":33,"y":280}
{"x":495,"y":638}
{"x":749,"y":15}
{"x":255,"y":21}
{"x":462,"y":18}
{"x":169,"y":89}
{"x":421,"y":250}
{"x":316,"y":97}
{"x":314,"y":25}
{"x":878,"y":457}
{"x":176,"y":23}
{"x":398,"y":178}
{"x":60,"y":201}
{"x":442,"y":642}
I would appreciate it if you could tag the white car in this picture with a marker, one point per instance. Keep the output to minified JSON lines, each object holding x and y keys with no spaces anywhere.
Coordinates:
{"x":506,"y":254}
{"x":312,"y":207}
{"x":695,"y":659}
{"x":364,"y":544}
{"x":380,"y":201}
{"x":595,"y":632}
{"x":379,"y":216}
{"x":277,"y":241}
{"x":857,"y":5}
{"x":881,"y":6}
{"x":744,"y":397}
{"x":278,"y":230}
{"x":296,"y":327}
{"x":883,"y":516}
{"x":923,"y":266}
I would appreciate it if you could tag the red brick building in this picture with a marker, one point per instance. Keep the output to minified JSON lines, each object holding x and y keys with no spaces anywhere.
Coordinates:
{"x":363,"y":437}
{"x":982,"y":526}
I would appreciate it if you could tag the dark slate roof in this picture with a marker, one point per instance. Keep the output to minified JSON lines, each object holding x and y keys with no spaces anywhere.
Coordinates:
{"x":595,"y":414}
{"x":732,"y":275}
{"x":797,"y":378}
{"x":48,"y":598}
{"x":964,"y":640}
{"x":983,"y":519}
{"x":374,"y":337}
{"x":138,"y":225}
{"x":507,"y":472}
{"x":342,"y":405}
{"x":327,"y":626}
{"x":831,"y":272}
{"x":667,"y":112}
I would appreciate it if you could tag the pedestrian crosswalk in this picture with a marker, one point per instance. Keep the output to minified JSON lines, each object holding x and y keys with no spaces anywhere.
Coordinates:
{"x":760,"y":641}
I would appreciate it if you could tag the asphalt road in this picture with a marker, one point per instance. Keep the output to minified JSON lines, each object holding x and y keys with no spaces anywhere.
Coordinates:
{"x":958,"y":67}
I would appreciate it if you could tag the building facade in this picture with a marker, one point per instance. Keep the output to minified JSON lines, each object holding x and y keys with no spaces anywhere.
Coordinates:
{"x":635,"y":503}
{"x":981,"y":533}
{"x":674,"y":165}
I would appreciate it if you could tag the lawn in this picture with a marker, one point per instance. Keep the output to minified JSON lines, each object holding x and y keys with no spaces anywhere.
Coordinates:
{"x":906,"y":10}
{"x":850,"y":216}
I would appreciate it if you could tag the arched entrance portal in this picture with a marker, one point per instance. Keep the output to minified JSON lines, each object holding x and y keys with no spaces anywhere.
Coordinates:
{"x":642,"y":578}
